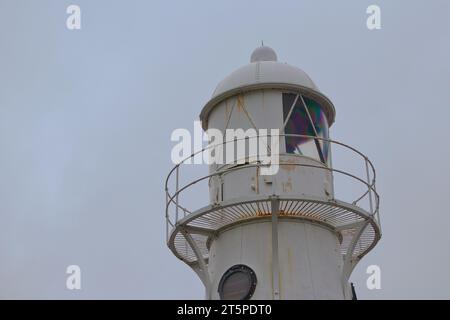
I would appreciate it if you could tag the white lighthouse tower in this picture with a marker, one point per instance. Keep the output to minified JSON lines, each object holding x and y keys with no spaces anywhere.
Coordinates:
{"x":273,"y":236}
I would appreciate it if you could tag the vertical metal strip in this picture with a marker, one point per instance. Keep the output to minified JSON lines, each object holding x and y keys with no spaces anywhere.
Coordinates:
{"x":370,"y":187}
{"x":377,"y":207}
{"x":275,"y":204}
{"x":167,"y":216}
{"x":176,"y":198}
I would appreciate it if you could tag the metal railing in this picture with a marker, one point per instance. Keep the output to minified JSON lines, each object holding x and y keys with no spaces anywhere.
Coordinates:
{"x":175,"y":210}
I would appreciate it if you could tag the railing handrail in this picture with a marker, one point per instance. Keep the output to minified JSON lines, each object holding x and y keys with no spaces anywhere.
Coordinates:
{"x":370,"y":183}
{"x":171,"y":198}
{"x":210,"y":146}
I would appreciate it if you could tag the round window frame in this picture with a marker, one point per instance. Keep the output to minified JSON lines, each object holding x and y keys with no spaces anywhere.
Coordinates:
{"x":235,"y":269}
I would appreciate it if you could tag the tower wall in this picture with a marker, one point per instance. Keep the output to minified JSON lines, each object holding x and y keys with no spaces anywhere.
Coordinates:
{"x":310,"y":261}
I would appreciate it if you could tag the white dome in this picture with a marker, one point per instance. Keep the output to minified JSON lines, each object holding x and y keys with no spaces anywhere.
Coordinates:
{"x":264,"y":74}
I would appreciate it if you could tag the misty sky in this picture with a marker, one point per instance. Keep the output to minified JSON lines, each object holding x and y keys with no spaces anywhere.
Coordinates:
{"x":86,"y":118}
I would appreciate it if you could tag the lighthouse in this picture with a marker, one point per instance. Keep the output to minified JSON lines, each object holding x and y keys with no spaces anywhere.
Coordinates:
{"x":272,"y":234}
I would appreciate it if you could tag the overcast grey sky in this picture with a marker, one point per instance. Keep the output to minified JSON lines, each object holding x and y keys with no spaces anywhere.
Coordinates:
{"x":86,"y":118}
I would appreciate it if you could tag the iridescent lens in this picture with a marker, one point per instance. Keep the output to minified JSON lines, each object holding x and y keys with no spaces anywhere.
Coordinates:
{"x":299,"y":123}
{"x":320,"y":122}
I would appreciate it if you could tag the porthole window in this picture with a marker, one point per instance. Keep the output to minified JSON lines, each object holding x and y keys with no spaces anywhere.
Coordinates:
{"x":237,"y":283}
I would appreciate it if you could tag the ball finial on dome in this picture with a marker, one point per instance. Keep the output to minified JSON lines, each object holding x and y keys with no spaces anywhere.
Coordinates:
{"x":263,"y":53}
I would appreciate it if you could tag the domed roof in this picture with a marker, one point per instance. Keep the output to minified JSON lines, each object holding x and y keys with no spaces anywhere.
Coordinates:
{"x":264,"y":72}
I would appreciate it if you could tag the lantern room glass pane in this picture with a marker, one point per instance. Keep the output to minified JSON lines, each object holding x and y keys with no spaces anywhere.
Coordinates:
{"x":299,"y":123}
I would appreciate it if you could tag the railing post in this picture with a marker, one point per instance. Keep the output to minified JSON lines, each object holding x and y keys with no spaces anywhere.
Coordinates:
{"x":369,"y":186}
{"x":176,"y":192}
{"x":377,"y":207}
{"x":167,"y":215}
{"x":275,"y":207}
